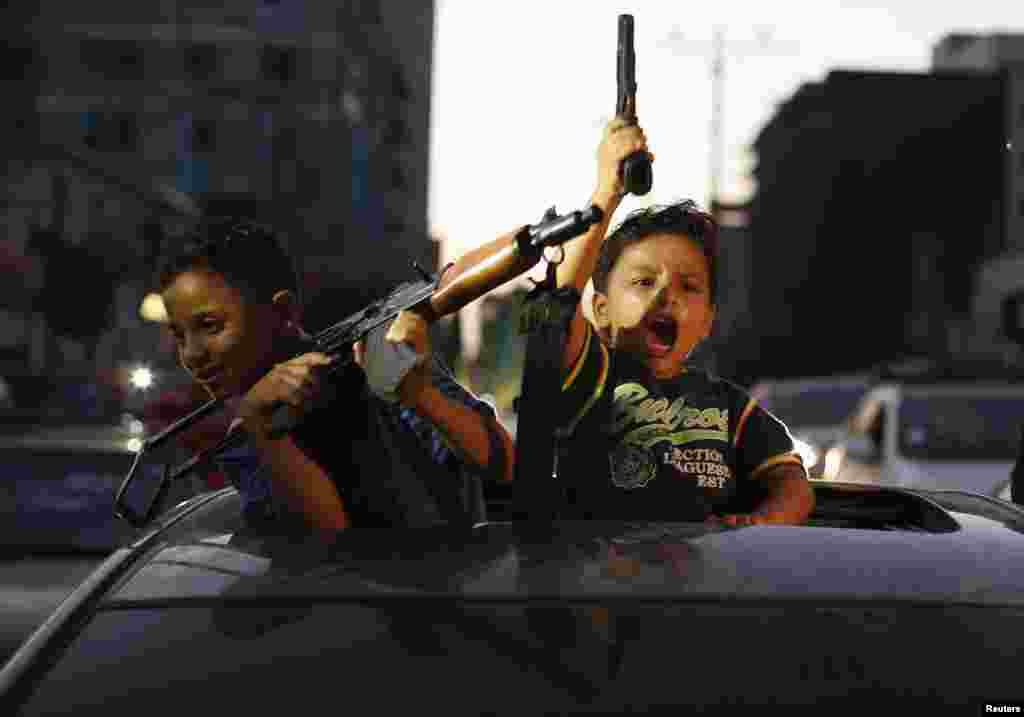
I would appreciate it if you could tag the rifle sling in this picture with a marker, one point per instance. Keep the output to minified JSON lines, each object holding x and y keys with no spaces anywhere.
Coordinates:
{"x":546,"y":316}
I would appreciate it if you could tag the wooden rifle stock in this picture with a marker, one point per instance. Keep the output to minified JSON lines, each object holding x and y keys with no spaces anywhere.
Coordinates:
{"x":475,"y":274}
{"x":485,"y":268}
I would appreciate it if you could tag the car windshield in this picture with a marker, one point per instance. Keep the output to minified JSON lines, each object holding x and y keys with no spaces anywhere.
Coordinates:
{"x":813,"y":405}
{"x":961,"y":427}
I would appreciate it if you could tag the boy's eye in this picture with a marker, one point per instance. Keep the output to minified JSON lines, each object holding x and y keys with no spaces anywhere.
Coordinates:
{"x":644,"y":281}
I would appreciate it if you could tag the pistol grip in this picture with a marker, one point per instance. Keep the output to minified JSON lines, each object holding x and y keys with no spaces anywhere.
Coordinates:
{"x":637,"y":174}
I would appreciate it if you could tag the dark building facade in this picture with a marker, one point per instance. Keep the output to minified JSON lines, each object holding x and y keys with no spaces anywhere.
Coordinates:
{"x":311,"y":117}
{"x":878,"y":197}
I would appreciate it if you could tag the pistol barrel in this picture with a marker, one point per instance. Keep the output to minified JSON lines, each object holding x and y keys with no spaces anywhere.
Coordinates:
{"x":626,"y":105}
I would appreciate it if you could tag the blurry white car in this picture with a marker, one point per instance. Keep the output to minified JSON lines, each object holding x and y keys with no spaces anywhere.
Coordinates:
{"x":815,"y":410}
{"x":1004,"y":492}
{"x":934,"y":436}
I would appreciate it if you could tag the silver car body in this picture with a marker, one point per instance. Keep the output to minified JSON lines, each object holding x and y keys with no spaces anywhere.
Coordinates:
{"x":882,"y":412}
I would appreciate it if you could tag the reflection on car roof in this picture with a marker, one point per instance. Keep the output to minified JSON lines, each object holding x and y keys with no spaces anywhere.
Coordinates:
{"x":588,"y":560}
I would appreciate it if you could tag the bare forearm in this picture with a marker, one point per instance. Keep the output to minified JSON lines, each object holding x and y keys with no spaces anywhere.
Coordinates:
{"x":304,"y":484}
{"x":581,"y":253}
{"x":788,"y":496}
{"x":465,"y":430}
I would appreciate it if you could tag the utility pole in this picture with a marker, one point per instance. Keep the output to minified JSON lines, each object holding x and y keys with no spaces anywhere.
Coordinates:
{"x":763,"y":45}
{"x":717,"y":149}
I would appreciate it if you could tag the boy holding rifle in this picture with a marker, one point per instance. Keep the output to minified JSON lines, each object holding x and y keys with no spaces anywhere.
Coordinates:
{"x":389,"y":440}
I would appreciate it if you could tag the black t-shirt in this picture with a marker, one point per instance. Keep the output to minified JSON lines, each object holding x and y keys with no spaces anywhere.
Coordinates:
{"x":390,"y":466}
{"x":645,"y":449}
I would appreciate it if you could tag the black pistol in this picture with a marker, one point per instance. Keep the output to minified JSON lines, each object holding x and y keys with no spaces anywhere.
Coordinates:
{"x":637,"y":176}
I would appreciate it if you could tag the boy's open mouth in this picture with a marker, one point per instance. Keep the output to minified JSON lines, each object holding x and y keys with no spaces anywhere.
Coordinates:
{"x":661,"y":334}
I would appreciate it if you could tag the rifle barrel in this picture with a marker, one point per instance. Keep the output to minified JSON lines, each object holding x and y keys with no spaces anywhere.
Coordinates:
{"x":181,"y":424}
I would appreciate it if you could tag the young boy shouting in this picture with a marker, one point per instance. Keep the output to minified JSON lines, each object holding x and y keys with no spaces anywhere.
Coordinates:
{"x":675,"y":442}
{"x":390,"y":440}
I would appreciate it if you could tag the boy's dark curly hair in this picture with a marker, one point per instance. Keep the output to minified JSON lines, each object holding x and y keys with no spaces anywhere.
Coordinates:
{"x":248,"y":255}
{"x":683,"y":218}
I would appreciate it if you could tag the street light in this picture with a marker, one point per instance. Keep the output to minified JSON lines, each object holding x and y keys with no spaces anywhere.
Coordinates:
{"x":141,"y":377}
{"x":153,"y":309}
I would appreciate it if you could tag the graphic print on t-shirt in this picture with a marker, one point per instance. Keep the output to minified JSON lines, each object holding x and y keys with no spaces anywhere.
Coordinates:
{"x":655,"y":432}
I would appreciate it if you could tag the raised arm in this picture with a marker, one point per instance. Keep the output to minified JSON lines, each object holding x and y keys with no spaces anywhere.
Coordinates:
{"x":399,"y":368}
{"x":619,"y":140}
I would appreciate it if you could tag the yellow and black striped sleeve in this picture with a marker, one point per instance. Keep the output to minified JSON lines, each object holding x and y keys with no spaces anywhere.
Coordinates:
{"x":585,"y":382}
{"x":762,"y":441}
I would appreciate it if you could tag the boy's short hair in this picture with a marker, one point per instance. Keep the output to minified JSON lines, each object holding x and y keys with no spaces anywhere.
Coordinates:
{"x":681,"y":217}
{"x":248,"y":255}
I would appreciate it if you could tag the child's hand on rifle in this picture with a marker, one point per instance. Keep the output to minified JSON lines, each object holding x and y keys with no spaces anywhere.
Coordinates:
{"x":296,"y":383}
{"x":620,"y":139}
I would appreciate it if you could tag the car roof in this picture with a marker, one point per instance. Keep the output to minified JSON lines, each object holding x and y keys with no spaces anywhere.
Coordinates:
{"x":835,"y":379}
{"x":998,"y":389}
{"x":589,"y":560}
{"x":796,"y":385}
{"x":931,"y":371}
{"x":995,"y":388}
{"x":200,"y":554}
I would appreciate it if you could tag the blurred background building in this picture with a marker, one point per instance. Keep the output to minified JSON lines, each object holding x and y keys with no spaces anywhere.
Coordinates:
{"x":1002,"y":272}
{"x":126,"y":122}
{"x":888,"y":219}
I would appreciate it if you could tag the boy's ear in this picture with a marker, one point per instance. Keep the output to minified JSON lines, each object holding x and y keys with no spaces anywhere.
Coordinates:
{"x":711,"y":321}
{"x":599,"y":306}
{"x":287,"y":308}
